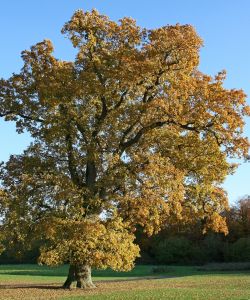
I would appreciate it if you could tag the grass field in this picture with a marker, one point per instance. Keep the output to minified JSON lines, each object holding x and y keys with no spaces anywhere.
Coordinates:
{"x":144,"y":282}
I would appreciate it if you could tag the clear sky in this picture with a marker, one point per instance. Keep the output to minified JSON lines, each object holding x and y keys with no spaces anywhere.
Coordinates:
{"x":224,"y":26}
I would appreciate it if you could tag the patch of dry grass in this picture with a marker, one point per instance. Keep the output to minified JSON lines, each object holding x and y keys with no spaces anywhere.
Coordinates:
{"x":196,"y":287}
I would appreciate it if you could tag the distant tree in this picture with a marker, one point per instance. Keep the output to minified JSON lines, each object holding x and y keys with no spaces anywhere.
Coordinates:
{"x":128,"y":134}
{"x":239,"y":250}
{"x":173,"y":250}
{"x":244,"y":213}
{"x":238,"y":219}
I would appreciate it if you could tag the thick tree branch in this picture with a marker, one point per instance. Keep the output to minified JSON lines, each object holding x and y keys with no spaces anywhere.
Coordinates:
{"x":128,"y":130}
{"x":26,"y":117}
{"x":189,"y":126}
{"x":82,"y":131}
{"x":118,"y":104}
{"x":139,"y":134}
{"x":104,"y":111}
{"x":90,"y":174}
{"x":71,"y":161}
{"x":146,"y":97}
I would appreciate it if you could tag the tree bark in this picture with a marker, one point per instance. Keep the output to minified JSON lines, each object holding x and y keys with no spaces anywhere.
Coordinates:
{"x":71,"y":277}
{"x":81,"y":274}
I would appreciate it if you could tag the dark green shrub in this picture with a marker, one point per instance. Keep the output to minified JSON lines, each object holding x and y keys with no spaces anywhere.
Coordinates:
{"x":173,"y":250}
{"x":213,"y":248}
{"x":239,"y":251}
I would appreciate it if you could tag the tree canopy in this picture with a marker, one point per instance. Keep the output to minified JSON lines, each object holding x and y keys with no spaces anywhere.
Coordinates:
{"x":129,"y":133}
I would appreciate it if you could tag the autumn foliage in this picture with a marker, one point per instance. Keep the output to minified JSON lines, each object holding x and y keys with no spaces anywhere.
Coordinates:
{"x":130,"y":133}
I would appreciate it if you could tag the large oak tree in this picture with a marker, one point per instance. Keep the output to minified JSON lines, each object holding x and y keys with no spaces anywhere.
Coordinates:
{"x":129,"y":134}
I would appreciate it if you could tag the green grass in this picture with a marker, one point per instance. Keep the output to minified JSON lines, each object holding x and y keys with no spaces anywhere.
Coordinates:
{"x":36,"y":273}
{"x":244,"y":266}
{"x":180,"y":282}
{"x":193,"y":288}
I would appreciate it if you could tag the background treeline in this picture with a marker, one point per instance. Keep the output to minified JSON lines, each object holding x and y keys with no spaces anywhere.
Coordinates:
{"x":176,"y":244}
{"x":179,"y":244}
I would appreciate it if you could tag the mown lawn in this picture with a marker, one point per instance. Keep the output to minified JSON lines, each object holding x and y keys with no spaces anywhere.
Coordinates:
{"x":144,"y":282}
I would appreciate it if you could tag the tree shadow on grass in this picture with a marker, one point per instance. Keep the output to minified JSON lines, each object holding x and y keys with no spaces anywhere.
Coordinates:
{"x":30,"y":286}
{"x":180,"y":273}
{"x":56,"y":286}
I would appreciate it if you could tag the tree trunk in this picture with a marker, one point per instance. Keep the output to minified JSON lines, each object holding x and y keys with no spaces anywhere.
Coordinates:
{"x":81,"y":274}
{"x":83,"y":277}
{"x":71,"y":277}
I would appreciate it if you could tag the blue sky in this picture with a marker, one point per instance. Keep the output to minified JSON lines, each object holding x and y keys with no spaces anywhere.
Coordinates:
{"x":223,"y":25}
